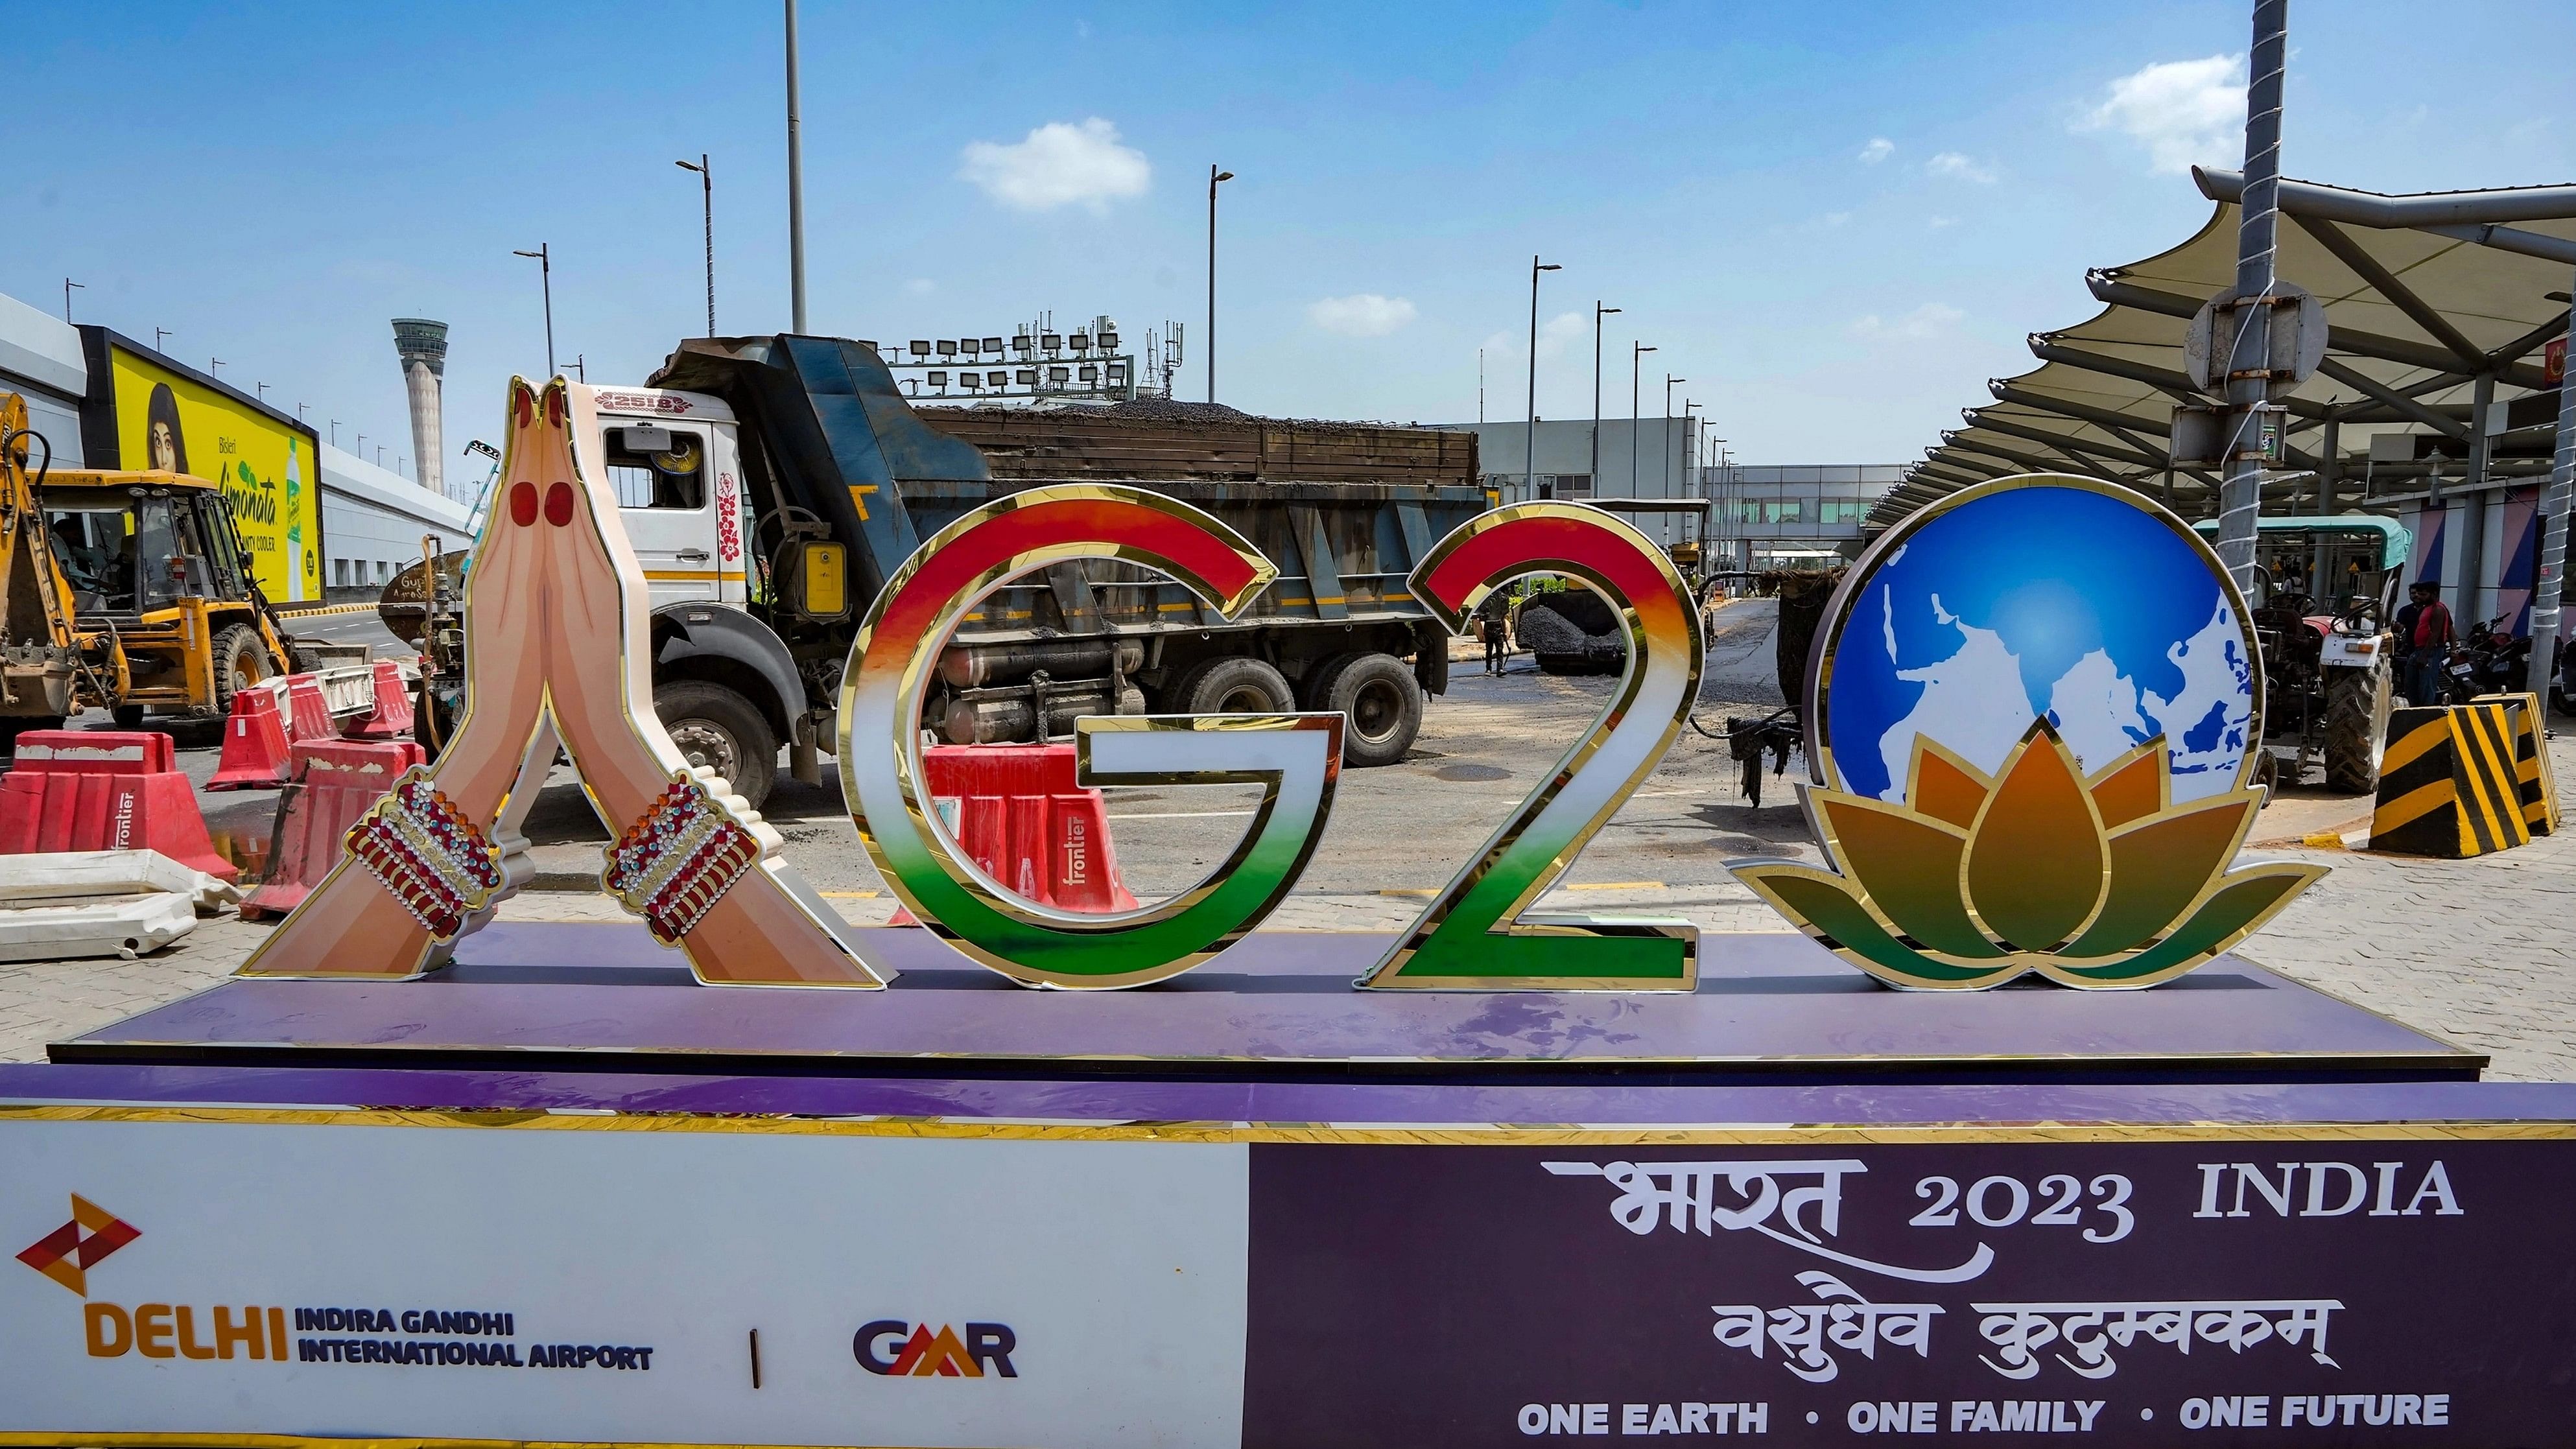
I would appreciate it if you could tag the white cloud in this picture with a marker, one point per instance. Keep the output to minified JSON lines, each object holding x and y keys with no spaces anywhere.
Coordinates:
{"x":1060,"y":163}
{"x":1553,"y":336}
{"x":921,"y":286}
{"x":1833,"y":219}
{"x":1361,"y":314}
{"x":1937,"y":223}
{"x":1953,"y":163}
{"x":1929,"y":320}
{"x":1878,"y":149}
{"x":2182,"y":111}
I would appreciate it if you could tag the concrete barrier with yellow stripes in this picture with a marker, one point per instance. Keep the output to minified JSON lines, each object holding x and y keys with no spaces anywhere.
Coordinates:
{"x":2533,"y":780}
{"x":2448,"y":785}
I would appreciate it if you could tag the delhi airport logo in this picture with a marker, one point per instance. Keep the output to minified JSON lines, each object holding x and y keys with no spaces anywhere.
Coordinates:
{"x":2034,"y":713}
{"x":894,"y":1348}
{"x":68,"y":1253}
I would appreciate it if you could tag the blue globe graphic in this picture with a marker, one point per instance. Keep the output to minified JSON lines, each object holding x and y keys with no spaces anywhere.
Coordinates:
{"x":2041,"y":600}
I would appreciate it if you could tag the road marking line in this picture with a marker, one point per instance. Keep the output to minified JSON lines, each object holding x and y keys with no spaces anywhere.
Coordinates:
{"x":1617,"y":885}
{"x":848,"y":895}
{"x":1175,"y":814}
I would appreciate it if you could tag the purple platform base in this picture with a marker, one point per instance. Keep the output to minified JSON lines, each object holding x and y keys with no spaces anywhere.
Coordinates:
{"x":1255,"y":1207}
{"x":1771,"y":1008}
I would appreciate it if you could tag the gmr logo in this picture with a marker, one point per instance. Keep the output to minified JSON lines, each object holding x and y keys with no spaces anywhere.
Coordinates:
{"x":892,"y":1347}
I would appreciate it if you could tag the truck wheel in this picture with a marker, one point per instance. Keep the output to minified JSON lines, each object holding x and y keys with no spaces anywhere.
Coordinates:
{"x":1235,"y":684}
{"x":2356,"y":727}
{"x":1382,"y":700}
{"x":127,"y":716}
{"x":721,"y":730}
{"x":241,"y":660}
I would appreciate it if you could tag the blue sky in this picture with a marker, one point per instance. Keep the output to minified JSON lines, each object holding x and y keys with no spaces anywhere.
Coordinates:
{"x":1835,"y":220}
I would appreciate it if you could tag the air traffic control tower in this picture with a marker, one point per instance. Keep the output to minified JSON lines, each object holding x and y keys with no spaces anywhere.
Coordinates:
{"x":422,"y":345}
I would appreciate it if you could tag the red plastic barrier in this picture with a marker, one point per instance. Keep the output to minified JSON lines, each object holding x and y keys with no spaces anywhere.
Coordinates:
{"x":255,"y":743}
{"x":1023,"y":819}
{"x":308,"y":710}
{"x":104,"y":790}
{"x":392,"y":717}
{"x":335,"y":782}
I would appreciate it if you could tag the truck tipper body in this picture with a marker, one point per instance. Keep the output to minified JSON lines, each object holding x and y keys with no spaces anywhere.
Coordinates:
{"x":772,"y":484}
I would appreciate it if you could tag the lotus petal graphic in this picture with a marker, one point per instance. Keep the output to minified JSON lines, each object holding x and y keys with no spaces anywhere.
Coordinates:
{"x":2098,"y":882}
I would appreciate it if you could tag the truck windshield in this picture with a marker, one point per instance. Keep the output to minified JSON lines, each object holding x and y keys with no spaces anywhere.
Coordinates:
{"x":657,"y":468}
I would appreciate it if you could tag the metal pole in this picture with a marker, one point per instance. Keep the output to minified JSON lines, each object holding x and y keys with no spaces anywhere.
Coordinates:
{"x":1209,"y":346}
{"x":1598,"y":312}
{"x":707,"y":188}
{"x":1636,"y":361}
{"x":2472,"y":513}
{"x":2330,"y":464}
{"x":544,"y":257}
{"x":1529,"y":463}
{"x":1664,"y":433}
{"x":2249,"y":381}
{"x":795,"y":189}
{"x":2553,"y":534}
{"x":546,"y":280}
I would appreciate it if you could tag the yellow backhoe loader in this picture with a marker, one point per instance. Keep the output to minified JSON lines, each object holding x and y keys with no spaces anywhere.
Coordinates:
{"x":125,"y":591}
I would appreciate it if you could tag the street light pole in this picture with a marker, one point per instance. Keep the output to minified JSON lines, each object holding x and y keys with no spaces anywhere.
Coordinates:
{"x":795,"y":189}
{"x":1598,"y":312}
{"x":1636,"y":360}
{"x":1529,"y":442}
{"x":1209,"y":346}
{"x":546,"y":276}
{"x":707,"y":187}
{"x":1664,"y":431}
{"x":1690,"y":445}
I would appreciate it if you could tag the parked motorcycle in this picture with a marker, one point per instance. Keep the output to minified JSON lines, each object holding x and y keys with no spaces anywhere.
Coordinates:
{"x":2490,"y":660}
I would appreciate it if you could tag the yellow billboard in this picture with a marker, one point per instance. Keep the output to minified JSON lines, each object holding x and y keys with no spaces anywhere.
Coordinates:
{"x":267,"y":465}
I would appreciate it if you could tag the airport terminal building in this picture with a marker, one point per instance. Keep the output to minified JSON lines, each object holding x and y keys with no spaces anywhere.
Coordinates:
{"x":320,"y":525}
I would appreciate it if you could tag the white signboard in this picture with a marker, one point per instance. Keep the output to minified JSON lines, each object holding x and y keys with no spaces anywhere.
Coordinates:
{"x":666,"y":1286}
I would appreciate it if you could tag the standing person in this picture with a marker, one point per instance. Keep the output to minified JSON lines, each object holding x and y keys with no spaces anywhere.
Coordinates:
{"x":1495,"y":615}
{"x":2425,"y":626}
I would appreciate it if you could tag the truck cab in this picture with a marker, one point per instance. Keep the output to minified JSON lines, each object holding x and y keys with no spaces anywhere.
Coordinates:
{"x":675,"y":459}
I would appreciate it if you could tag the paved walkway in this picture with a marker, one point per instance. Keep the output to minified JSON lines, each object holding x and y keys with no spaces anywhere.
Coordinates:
{"x":2482,"y":952}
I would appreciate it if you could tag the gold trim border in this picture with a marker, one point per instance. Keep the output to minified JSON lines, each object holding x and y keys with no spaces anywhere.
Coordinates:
{"x":1498,"y":1134}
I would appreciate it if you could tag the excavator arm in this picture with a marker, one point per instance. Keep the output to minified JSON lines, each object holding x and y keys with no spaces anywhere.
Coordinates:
{"x":39,"y":646}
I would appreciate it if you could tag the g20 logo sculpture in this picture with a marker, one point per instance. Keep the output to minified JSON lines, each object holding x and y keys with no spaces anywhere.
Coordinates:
{"x":1976,"y":872}
{"x":2035,"y":714}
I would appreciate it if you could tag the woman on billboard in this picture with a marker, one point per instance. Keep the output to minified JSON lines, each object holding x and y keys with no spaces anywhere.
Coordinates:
{"x":163,"y":446}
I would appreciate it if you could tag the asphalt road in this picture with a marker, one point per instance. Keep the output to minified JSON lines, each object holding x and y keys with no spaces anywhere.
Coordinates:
{"x":1400,"y":828}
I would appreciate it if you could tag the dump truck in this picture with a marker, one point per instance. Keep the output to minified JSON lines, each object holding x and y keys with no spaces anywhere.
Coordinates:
{"x":128,"y":591}
{"x":770,"y":486}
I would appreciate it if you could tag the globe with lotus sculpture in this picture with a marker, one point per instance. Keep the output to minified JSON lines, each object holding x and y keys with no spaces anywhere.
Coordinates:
{"x":2033,"y":723}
